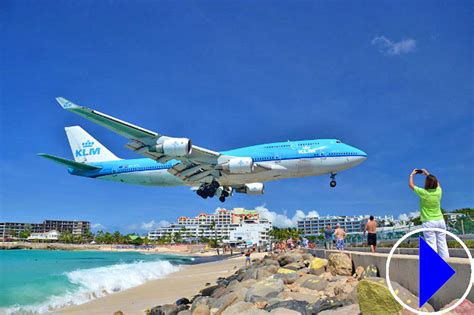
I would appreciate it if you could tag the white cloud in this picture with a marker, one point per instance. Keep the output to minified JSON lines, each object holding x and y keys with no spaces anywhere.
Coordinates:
{"x":406,"y":217}
{"x":389,"y":47}
{"x":97,"y":226}
{"x":282,"y":220}
{"x":150,"y":225}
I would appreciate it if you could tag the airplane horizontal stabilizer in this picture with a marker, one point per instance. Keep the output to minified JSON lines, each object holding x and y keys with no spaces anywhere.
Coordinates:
{"x":69,"y":163}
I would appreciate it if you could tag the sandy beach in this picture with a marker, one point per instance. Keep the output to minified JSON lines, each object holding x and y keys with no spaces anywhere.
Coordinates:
{"x":184,"y":283}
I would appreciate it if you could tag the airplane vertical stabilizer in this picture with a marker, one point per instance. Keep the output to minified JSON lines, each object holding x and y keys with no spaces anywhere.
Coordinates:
{"x":85,"y":148}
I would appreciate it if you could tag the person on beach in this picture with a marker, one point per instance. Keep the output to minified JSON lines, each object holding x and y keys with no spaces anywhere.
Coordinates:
{"x":247,"y":258}
{"x":430,"y":211}
{"x":339,"y":235}
{"x":371,"y":229}
{"x":328,"y":237}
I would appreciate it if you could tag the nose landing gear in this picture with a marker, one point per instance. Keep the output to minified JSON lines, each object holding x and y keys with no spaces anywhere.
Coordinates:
{"x":333,"y":183}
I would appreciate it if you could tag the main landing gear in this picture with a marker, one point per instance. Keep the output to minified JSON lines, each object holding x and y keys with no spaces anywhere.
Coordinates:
{"x":208,"y":190}
{"x":333,"y":183}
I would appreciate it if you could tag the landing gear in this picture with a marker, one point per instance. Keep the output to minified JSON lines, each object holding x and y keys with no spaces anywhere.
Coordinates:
{"x":208,"y":190}
{"x":333,"y":183}
{"x":225,"y":193}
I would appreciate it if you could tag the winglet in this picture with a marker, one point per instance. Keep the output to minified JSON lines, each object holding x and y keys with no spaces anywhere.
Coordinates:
{"x":66,"y":104}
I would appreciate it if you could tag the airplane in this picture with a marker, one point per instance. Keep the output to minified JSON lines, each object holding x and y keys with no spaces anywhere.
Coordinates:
{"x":171,"y":161}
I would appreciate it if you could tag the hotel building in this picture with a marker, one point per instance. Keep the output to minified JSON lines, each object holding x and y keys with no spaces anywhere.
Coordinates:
{"x":237,"y":225}
{"x":313,"y":226}
{"x":13,"y":229}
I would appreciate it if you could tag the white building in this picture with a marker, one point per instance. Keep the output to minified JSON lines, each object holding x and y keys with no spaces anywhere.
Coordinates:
{"x":45,"y":236}
{"x":251,"y":233}
{"x":218,"y":225}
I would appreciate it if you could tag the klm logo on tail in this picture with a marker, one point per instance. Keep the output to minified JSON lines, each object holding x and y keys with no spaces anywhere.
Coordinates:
{"x":87,"y":149}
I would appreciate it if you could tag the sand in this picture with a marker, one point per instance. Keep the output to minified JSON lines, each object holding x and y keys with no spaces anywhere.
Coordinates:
{"x":186,"y":282}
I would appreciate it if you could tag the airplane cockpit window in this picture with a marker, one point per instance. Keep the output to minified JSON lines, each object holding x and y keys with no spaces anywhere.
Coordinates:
{"x":338,"y":141}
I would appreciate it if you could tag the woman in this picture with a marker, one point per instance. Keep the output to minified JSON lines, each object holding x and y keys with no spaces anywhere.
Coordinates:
{"x":430,"y":211}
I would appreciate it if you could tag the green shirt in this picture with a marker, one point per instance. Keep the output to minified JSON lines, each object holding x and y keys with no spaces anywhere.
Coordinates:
{"x":430,"y":201}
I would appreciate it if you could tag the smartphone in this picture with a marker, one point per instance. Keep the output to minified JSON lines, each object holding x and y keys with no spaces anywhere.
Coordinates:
{"x":418,"y":171}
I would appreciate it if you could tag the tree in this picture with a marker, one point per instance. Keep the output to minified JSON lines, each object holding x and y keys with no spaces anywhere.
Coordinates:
{"x":24,"y":234}
{"x":66,"y":237}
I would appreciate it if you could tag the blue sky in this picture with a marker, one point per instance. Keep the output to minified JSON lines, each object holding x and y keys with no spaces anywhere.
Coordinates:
{"x":392,"y":78}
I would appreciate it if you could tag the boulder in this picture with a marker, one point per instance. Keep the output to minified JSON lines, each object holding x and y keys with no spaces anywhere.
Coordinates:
{"x":375,"y":298}
{"x":346,"y":290}
{"x":345,"y":310}
{"x":295,"y":266}
{"x":297,"y":306}
{"x":289,"y":258}
{"x":185,"y":312}
{"x":283,"y":311}
{"x":359,"y":273}
{"x":287,"y":275}
{"x":182,"y":301}
{"x":263,"y":273}
{"x":465,"y":308}
{"x":371,"y":271}
{"x":340,"y":264}
{"x":315,"y":283}
{"x":167,"y":309}
{"x":328,"y":304}
{"x":310,"y":296}
{"x":317,"y":266}
{"x":208,"y":290}
{"x":307,"y":256}
{"x":118,"y":313}
{"x":264,"y":289}
{"x":223,"y":302}
{"x":242,"y":307}
{"x":201,"y":309}
{"x":198,"y":300}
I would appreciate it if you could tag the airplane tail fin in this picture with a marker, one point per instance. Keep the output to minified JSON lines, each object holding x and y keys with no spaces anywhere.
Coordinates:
{"x":85,"y":148}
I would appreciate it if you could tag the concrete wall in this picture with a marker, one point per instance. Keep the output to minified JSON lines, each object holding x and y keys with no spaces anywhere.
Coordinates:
{"x":453,"y":252}
{"x":404,"y":270}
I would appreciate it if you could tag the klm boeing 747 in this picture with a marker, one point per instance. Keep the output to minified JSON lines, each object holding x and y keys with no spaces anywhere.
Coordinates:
{"x":176,"y":161}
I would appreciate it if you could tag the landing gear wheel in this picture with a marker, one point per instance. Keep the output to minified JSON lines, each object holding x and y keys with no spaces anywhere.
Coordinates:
{"x":222,"y":199}
{"x":333,"y":183}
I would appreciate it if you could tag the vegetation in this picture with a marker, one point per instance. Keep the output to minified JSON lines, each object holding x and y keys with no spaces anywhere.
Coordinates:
{"x":282,"y":234}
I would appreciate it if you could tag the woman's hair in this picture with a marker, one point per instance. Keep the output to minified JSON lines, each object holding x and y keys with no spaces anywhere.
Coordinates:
{"x":431,"y":182}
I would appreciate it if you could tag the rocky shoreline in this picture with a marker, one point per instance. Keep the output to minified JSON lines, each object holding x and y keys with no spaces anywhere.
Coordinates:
{"x":299,"y":283}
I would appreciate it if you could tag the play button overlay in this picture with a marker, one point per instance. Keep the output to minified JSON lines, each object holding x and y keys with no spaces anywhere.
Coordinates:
{"x":434,"y":272}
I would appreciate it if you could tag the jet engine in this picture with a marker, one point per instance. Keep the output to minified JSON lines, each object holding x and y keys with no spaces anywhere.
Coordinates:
{"x":174,"y":147}
{"x":243,"y":165}
{"x":252,"y":189}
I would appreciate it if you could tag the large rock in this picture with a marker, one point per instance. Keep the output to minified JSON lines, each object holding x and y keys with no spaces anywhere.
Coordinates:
{"x":359,"y":273}
{"x":465,"y":308}
{"x":314,"y":283}
{"x":317,"y":266}
{"x":340,"y":264}
{"x":284,"y":311}
{"x":182,"y":301}
{"x":238,"y":308}
{"x":264,"y":289}
{"x":209,"y":290}
{"x":287,"y":275}
{"x":289,"y":258}
{"x":310,"y":296}
{"x":295,"y":266}
{"x":328,"y":304}
{"x":223,"y":302}
{"x":201,"y":309}
{"x":375,"y":298}
{"x":307,"y":256}
{"x":371,"y":271}
{"x":345,"y":310}
{"x":297,"y":306}
{"x":167,"y":309}
{"x":199,"y":300}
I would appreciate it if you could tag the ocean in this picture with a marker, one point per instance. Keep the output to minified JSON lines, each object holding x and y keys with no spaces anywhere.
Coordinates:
{"x":35,"y":281}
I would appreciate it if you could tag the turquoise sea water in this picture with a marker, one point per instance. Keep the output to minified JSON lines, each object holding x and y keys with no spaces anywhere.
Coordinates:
{"x":38,"y":280}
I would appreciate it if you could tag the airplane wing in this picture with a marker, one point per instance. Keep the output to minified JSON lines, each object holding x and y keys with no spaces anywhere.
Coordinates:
{"x":197,"y":164}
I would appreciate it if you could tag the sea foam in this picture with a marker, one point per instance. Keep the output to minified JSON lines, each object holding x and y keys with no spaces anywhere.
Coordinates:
{"x":98,"y":282}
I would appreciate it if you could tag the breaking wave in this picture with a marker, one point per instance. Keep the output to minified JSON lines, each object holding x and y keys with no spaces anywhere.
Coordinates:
{"x":98,"y":282}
